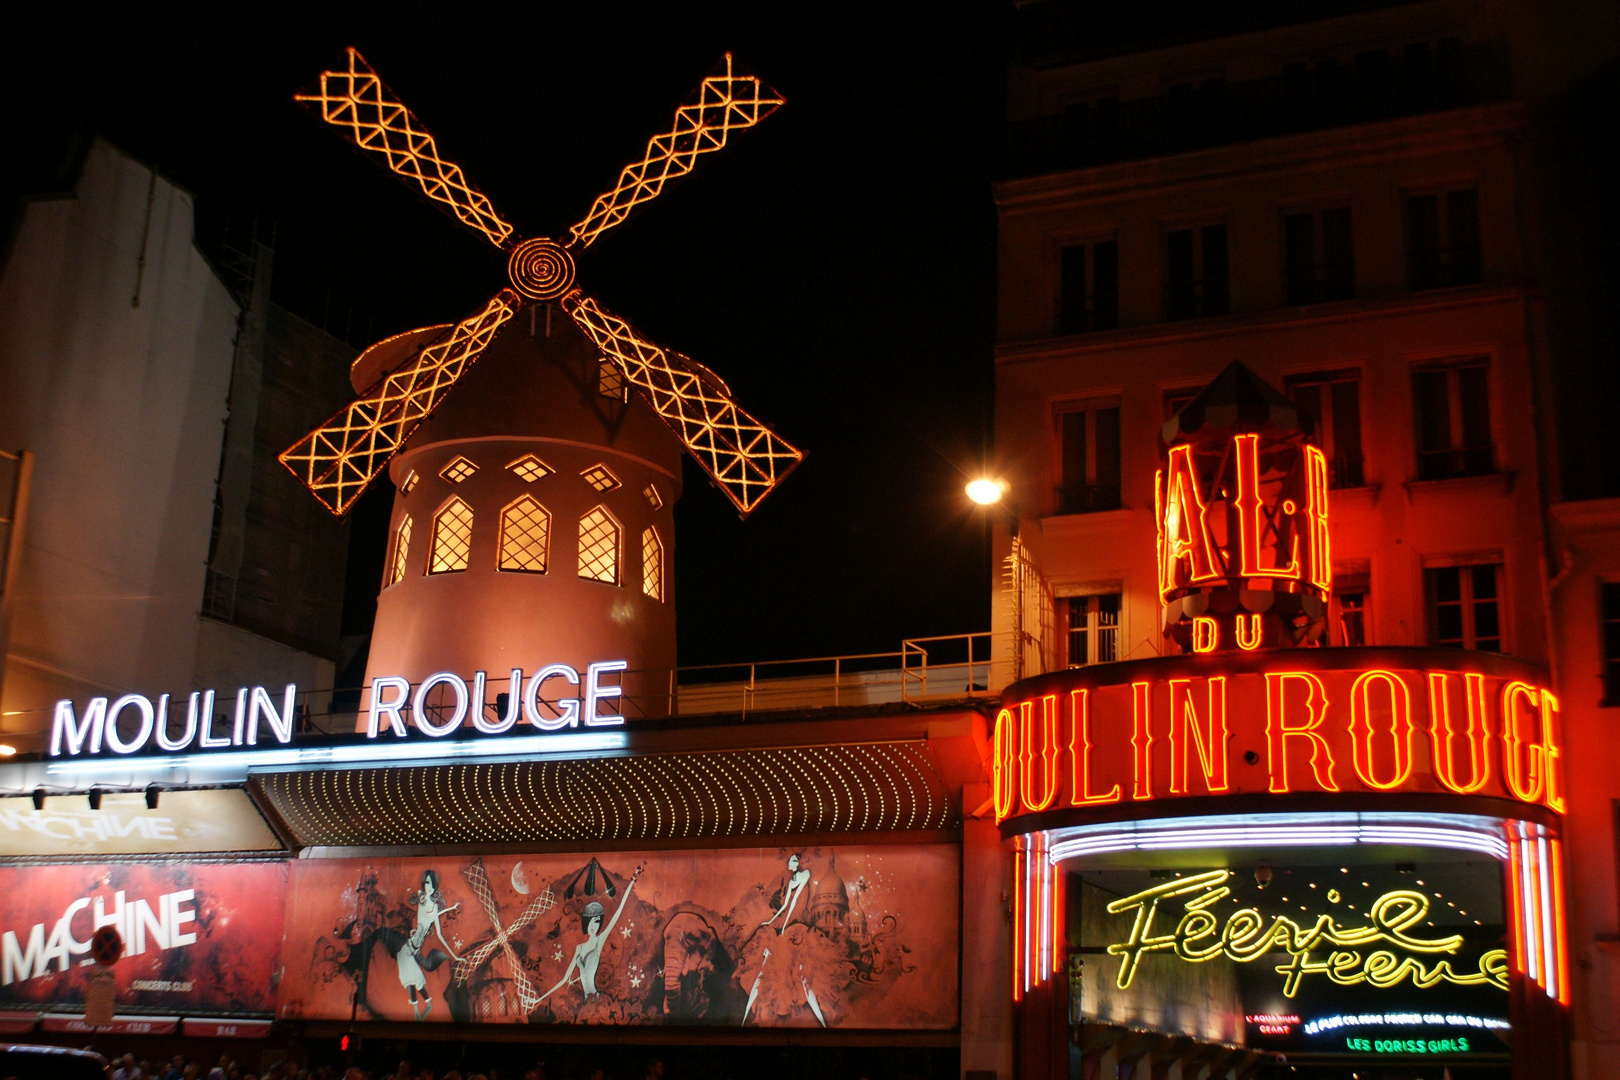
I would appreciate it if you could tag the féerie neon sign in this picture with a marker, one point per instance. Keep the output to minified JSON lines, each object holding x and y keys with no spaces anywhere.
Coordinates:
{"x":1245,"y":936}
{"x":134,"y":722}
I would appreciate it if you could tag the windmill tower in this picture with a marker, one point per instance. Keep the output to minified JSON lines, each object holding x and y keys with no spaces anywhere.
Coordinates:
{"x":532,"y":519}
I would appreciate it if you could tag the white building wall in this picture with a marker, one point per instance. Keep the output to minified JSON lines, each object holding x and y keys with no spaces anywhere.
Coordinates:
{"x":115,"y":355}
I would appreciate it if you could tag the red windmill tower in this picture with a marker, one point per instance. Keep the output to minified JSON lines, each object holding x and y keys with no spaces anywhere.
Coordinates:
{"x":532,"y":522}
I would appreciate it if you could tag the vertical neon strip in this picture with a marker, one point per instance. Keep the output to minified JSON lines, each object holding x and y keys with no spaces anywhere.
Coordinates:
{"x":1516,"y":900}
{"x":1018,"y":920}
{"x":1060,"y":917}
{"x":1560,"y":936}
{"x":1527,"y":886}
{"x":1037,"y":918}
{"x":1549,"y":946}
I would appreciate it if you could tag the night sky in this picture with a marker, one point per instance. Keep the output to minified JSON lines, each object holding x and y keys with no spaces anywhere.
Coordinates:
{"x":835,"y":265}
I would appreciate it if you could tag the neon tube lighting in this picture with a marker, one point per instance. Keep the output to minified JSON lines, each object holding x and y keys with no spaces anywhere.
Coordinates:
{"x":1458,"y":838}
{"x":426,"y":752}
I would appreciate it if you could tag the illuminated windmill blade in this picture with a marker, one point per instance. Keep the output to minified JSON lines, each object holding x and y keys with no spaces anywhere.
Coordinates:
{"x":743,"y":456}
{"x":338,"y":459}
{"x":356,"y":100}
{"x":724,"y":103}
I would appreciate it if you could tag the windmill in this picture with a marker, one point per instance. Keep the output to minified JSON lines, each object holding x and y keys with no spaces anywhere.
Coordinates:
{"x":742,"y":456}
{"x":521,"y":454}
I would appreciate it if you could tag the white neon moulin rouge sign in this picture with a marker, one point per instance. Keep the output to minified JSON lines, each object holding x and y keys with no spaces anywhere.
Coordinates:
{"x":134,"y":722}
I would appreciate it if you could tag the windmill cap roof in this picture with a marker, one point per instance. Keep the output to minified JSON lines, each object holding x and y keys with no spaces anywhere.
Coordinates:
{"x":1237,"y":400}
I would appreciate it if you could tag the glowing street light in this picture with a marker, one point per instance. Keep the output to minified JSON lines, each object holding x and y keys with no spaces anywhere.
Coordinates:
{"x":987,"y":492}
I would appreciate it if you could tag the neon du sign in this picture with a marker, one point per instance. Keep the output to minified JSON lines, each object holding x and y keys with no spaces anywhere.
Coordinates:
{"x":134,"y":722}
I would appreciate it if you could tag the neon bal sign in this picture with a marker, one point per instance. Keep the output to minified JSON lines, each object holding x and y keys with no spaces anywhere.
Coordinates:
{"x":1241,"y":507}
{"x":134,"y":722}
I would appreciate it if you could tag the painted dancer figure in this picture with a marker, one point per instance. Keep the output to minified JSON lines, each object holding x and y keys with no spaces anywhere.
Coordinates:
{"x":796,"y":882}
{"x":789,"y":945}
{"x":588,"y":953}
{"x":414,"y":964}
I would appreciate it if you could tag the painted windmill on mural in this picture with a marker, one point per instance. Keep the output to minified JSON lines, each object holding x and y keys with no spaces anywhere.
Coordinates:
{"x":527,"y":483}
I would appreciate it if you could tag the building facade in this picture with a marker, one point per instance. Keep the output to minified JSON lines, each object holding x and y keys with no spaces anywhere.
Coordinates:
{"x":1348,"y":208}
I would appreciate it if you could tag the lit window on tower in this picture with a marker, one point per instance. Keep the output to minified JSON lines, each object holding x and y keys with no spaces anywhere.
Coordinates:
{"x":529,"y":468}
{"x":452,"y":538}
{"x":610,"y":381}
{"x":654,"y":500}
{"x":599,"y":546}
{"x":410,"y":481}
{"x":402,"y":547}
{"x":525,"y":537}
{"x":652,"y":564}
{"x":458,"y":470}
{"x":600,"y":478}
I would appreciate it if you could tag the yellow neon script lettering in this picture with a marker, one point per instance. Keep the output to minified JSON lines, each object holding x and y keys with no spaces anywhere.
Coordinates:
{"x":1199,"y":936}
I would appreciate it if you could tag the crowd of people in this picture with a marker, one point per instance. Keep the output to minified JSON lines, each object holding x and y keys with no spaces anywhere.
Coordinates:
{"x":178,"y":1068}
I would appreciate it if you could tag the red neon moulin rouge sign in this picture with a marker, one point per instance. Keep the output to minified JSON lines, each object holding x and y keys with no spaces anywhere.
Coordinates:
{"x":1241,"y":502}
{"x":1371,"y":720}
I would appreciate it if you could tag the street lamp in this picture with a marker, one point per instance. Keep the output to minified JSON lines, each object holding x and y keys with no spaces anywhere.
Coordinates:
{"x":987,"y":492}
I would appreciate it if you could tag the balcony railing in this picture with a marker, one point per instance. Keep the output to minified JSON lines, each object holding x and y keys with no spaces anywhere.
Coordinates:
{"x":1217,"y":113}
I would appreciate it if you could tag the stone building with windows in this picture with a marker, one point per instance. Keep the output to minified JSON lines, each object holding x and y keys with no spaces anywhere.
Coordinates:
{"x":1356,"y":207}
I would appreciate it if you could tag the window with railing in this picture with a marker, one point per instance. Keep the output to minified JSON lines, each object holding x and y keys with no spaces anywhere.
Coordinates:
{"x":1442,"y":239}
{"x":1088,"y":458}
{"x":1609,"y":612}
{"x":1318,"y":261}
{"x":1333,"y":400}
{"x":1465,"y":606}
{"x":1093,"y":628}
{"x":1347,"y":609}
{"x":1196,"y":273}
{"x":1452,"y":410}
{"x":1088,"y":287}
{"x":1369,"y":85}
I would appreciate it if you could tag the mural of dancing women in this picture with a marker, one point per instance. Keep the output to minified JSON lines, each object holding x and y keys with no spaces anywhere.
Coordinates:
{"x":413,"y":963}
{"x":588,"y":953}
{"x":789,"y":945}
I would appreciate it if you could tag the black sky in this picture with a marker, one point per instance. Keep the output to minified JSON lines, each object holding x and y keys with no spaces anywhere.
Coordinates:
{"x":836,"y":266}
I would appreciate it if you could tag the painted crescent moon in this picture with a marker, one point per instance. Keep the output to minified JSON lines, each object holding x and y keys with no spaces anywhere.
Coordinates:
{"x":520,"y":881}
